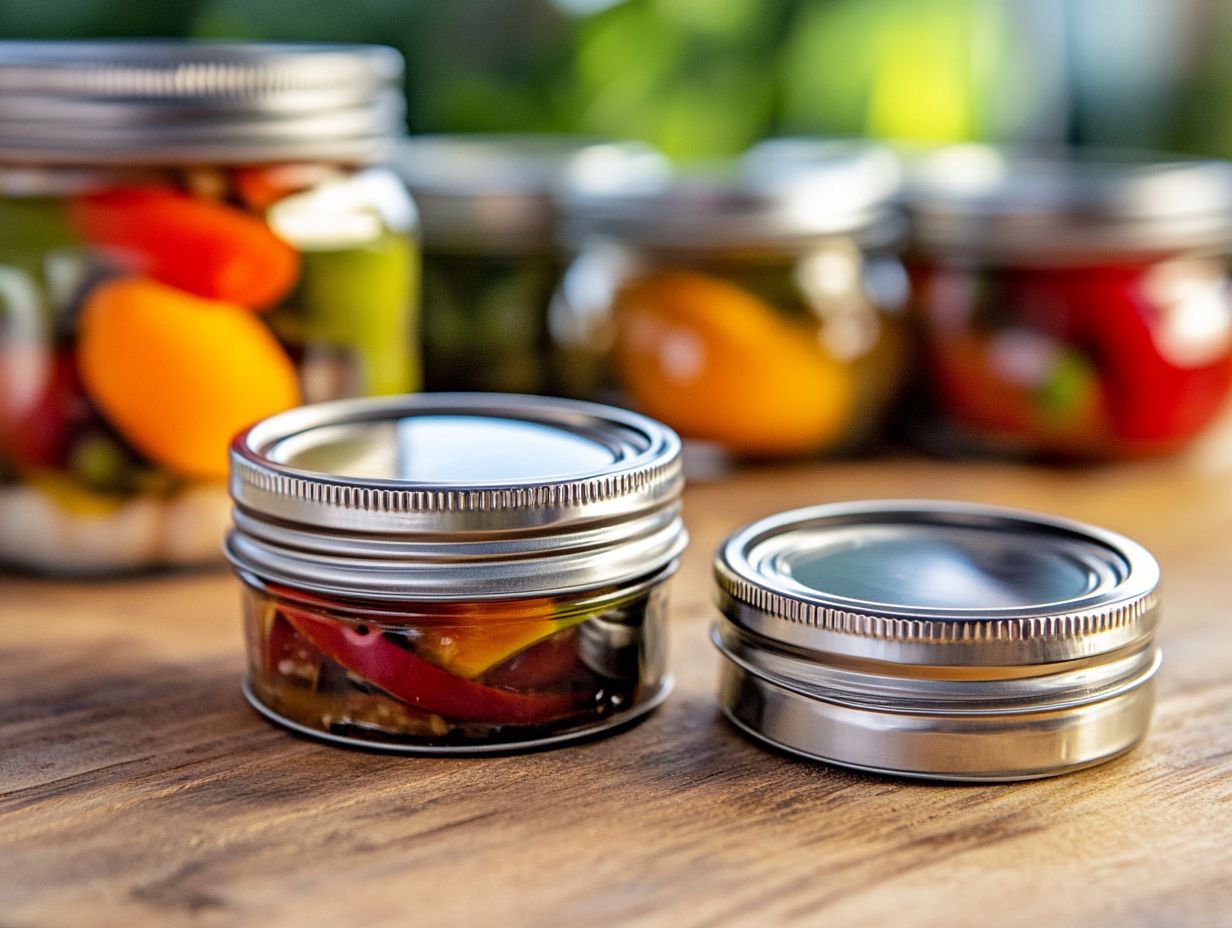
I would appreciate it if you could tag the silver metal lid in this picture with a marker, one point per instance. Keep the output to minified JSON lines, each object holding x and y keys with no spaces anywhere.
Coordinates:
{"x":938,"y":639}
{"x":456,"y":497}
{"x":782,"y":192}
{"x":501,"y":191}
{"x":1024,"y":206}
{"x":152,"y":102}
{"x":926,"y":582}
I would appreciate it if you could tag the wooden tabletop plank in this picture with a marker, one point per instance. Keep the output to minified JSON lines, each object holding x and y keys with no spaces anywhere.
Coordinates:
{"x":136,"y":786}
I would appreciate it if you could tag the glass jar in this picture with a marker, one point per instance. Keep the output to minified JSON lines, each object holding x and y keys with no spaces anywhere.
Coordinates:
{"x":456,"y":572}
{"x":489,"y":209}
{"x":1072,"y":305}
{"x":758,"y":309}
{"x":192,"y":237}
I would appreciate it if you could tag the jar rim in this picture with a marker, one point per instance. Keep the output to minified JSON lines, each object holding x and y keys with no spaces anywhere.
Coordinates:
{"x":781,"y":193}
{"x":1058,"y":204}
{"x":162,"y":101}
{"x":501,"y":192}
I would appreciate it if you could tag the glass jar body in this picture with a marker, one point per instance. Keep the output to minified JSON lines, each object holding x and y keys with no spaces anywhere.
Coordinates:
{"x":147,"y":314}
{"x":456,"y":676}
{"x":485,"y":319}
{"x":765,"y":352}
{"x":1110,"y":358}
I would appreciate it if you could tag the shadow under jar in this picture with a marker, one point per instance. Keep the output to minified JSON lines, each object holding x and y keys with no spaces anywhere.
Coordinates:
{"x":489,"y":208}
{"x":456,"y":572}
{"x":757,"y":309}
{"x":192,"y":237}
{"x":1073,"y":305}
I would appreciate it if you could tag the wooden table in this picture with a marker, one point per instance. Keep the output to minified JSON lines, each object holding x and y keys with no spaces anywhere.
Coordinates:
{"x":138,"y":787}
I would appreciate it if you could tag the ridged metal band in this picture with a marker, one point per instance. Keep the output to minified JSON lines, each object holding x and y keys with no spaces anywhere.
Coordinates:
{"x":401,"y":539}
{"x":753,"y":596}
{"x":316,"y":491}
{"x":164,"y":102}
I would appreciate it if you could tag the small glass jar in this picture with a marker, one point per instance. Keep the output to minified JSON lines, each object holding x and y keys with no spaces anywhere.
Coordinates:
{"x":1073,"y":305}
{"x":759,"y":309}
{"x":491,"y":260}
{"x":456,"y":572}
{"x":937,"y":639}
{"x":192,"y":237}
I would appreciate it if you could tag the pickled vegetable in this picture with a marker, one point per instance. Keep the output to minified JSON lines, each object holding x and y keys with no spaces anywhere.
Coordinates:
{"x":206,"y":248}
{"x":447,"y":673}
{"x":1087,"y":361}
{"x":715,"y":362}
{"x":178,"y":375}
{"x":141,"y":326}
{"x":360,"y":300}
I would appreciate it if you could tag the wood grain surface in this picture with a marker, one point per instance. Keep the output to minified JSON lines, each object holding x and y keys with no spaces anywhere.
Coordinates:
{"x":137,"y":788}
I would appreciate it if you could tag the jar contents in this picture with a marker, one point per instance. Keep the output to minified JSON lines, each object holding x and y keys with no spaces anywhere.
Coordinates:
{"x":454,"y":674}
{"x":734,"y":356}
{"x":1125,"y":360}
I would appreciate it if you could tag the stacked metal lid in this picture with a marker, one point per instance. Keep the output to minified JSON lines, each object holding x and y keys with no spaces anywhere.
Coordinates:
{"x":173,"y":102}
{"x":456,"y":496}
{"x":938,"y":639}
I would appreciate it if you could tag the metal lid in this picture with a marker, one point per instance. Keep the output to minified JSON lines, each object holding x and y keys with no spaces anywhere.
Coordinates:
{"x":456,"y":496}
{"x":938,"y":639}
{"x":782,"y":192}
{"x":1033,"y":206}
{"x":501,"y":191}
{"x":948,"y":583}
{"x":150,"y":102}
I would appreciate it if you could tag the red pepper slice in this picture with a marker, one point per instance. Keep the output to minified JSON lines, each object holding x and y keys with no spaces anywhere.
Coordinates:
{"x":420,"y":683}
{"x":210,"y":249}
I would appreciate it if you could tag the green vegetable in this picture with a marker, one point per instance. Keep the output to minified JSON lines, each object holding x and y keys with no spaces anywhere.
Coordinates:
{"x":364,"y":299}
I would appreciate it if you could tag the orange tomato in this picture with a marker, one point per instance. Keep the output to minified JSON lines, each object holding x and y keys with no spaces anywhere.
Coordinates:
{"x":178,"y":375}
{"x":717,"y":363}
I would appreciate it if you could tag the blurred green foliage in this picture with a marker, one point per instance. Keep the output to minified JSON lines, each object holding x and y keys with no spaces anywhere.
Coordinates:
{"x":704,"y":78}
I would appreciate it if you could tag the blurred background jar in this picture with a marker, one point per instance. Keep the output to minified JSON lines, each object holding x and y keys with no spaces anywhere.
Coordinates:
{"x":759,"y":308}
{"x":192,"y":237}
{"x":489,"y":208}
{"x":1072,"y":305}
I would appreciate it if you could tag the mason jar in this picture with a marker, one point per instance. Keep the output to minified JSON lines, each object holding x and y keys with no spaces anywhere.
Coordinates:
{"x":757,"y":309}
{"x":192,"y":237}
{"x":456,"y":573}
{"x":1071,"y":305}
{"x":490,"y":211}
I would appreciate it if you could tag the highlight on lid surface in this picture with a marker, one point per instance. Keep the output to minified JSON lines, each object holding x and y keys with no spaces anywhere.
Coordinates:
{"x":937,"y":639}
{"x":456,"y":572}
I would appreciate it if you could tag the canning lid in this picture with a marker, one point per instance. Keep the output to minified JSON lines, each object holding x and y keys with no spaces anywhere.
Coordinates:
{"x":775,"y":197}
{"x":455,"y":497}
{"x":500,"y":192}
{"x":169,"y":102}
{"x":937,"y":639}
{"x":1047,"y":206}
